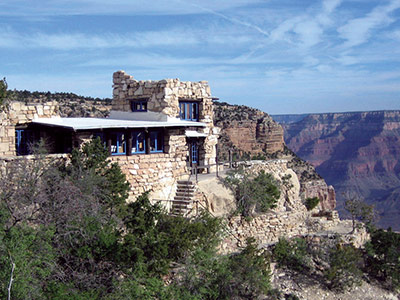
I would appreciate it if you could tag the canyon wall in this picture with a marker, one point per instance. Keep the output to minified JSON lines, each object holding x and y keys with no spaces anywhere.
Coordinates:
{"x":357,"y":152}
{"x":247,"y":130}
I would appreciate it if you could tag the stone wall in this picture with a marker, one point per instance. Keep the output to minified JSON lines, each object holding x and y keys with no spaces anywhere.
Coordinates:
{"x":157,"y":172}
{"x":265,"y":228}
{"x":18,"y":113}
{"x":163,"y":97}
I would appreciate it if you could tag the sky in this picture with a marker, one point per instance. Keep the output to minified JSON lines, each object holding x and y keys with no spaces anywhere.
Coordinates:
{"x":280,"y":56}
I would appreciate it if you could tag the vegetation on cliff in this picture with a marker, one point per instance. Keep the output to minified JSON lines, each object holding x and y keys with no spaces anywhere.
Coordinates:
{"x":253,"y":193}
{"x":339,"y":266}
{"x":67,"y":232}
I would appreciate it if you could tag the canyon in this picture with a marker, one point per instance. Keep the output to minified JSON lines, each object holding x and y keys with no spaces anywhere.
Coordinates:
{"x":356,"y":152}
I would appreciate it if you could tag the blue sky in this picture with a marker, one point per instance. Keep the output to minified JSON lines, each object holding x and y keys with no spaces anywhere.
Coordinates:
{"x":281,"y":56}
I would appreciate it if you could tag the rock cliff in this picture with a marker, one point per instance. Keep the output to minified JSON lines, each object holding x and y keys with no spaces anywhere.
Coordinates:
{"x":358,"y":153}
{"x":247,"y":130}
{"x":250,"y":133}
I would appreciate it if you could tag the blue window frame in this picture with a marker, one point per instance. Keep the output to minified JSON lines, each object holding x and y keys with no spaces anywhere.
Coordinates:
{"x":138,"y":142}
{"x":139,"y":105}
{"x":118,"y":143}
{"x":156,"y":141}
{"x":194,"y":153}
{"x":189,"y":110}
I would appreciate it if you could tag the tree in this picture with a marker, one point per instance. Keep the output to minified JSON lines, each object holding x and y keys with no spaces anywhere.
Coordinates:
{"x":359,"y":210}
{"x":3,"y":91}
{"x":253,"y":193}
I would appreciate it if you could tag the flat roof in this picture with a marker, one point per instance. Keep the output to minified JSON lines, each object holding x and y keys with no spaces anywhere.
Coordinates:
{"x":104,"y":123}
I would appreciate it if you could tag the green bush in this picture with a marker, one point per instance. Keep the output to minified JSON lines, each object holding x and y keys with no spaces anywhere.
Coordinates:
{"x":383,"y":257}
{"x":345,"y":267}
{"x":244,"y":275}
{"x":311,"y":203}
{"x":292,"y":254}
{"x":253,"y":193}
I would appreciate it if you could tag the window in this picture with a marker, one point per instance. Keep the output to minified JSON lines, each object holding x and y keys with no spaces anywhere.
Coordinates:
{"x":138,"y":142}
{"x":22,"y":138}
{"x":189,"y":110}
{"x":139,"y":105}
{"x":118,"y":143}
{"x":156,"y":141}
{"x":194,"y":153}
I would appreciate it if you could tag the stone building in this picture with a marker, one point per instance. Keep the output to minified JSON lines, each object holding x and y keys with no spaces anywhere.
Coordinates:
{"x":157,"y":131}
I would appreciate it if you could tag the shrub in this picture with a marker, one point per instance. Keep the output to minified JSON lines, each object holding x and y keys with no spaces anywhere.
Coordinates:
{"x":311,"y":203}
{"x":253,"y":193}
{"x":383,"y":257}
{"x":344,"y":272}
{"x":292,"y":254}
{"x":245,"y":275}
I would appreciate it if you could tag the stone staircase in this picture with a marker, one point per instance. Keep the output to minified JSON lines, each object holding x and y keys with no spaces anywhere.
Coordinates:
{"x":184,"y":198}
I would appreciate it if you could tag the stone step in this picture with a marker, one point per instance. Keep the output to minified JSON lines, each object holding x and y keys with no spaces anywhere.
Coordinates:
{"x":182,"y":201}
{"x":184,"y":194}
{"x":185,"y":182}
{"x":179,"y":211}
{"x":181,"y":207}
{"x":183,"y":198}
{"x":185,"y":187}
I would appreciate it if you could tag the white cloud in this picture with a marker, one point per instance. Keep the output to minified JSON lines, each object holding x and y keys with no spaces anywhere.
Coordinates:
{"x":309,"y":32}
{"x":306,"y":29}
{"x":358,"y":31}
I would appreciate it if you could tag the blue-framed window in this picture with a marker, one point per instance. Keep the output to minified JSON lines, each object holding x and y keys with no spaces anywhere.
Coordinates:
{"x":118,"y":143}
{"x":139,"y":105}
{"x":138,"y":142}
{"x":189,"y":110}
{"x":156,"y":141}
{"x":21,"y":141}
{"x":194,"y":153}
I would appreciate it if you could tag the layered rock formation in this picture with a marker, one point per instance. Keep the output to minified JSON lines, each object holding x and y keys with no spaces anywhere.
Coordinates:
{"x":247,"y":130}
{"x":358,"y":153}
